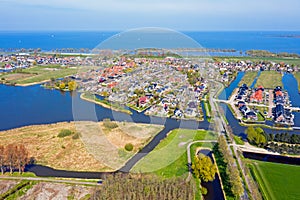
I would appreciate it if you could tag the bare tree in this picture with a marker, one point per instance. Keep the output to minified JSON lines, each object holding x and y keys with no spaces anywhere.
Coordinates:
{"x":2,"y":158}
{"x":21,"y":157}
{"x":10,"y":156}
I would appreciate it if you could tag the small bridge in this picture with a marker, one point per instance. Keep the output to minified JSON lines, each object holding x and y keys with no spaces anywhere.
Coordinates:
{"x":221,"y":101}
{"x":295,"y":109}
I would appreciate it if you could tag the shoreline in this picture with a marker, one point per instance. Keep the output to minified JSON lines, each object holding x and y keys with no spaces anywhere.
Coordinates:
{"x":30,"y":84}
{"x":103,"y":104}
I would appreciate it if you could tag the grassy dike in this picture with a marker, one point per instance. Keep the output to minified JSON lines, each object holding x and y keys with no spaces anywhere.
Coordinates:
{"x":169,"y":159}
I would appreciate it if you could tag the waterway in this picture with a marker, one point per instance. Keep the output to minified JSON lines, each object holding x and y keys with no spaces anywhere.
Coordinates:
{"x":21,"y":106}
{"x":272,"y":158}
{"x":255,"y":79}
{"x":214,"y":189}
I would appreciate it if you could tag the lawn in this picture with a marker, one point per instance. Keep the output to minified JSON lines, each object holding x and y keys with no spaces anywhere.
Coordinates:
{"x":290,"y":61}
{"x":269,"y":79}
{"x":238,"y":140}
{"x":207,"y":108}
{"x":248,"y":78}
{"x":39,"y":73}
{"x":277,"y":181}
{"x":297,"y":77}
{"x":169,"y":158}
{"x":42,"y":73}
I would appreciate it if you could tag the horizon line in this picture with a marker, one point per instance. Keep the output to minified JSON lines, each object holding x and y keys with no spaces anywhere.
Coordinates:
{"x":121,"y":30}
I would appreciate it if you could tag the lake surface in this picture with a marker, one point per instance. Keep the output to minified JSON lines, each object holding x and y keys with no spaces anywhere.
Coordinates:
{"x":20,"y":106}
{"x":274,"y":41}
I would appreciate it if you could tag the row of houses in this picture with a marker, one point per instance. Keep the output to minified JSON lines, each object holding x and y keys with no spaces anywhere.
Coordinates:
{"x":254,"y":66}
{"x":11,"y":61}
{"x":280,"y":113}
{"x":241,"y":104}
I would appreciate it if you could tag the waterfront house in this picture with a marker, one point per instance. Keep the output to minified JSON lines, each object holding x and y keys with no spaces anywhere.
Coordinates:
{"x":143,"y":100}
{"x":257,"y":96}
{"x":251,"y":115}
{"x":241,"y":103}
{"x":243,"y":109}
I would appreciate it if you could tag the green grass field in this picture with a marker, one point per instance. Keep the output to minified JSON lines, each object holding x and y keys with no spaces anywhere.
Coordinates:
{"x":248,"y":78}
{"x":42,"y":73}
{"x":169,"y":158}
{"x":39,"y":73}
{"x":297,"y":77}
{"x":269,"y":79}
{"x":295,"y":61}
{"x":277,"y":181}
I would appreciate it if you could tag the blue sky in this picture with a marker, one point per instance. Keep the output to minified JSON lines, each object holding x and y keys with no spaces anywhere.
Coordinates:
{"x":126,"y":14}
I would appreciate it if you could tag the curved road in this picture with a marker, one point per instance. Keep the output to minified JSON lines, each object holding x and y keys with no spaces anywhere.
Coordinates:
{"x":188,"y":151}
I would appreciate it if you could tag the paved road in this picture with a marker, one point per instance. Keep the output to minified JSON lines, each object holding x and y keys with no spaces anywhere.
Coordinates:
{"x":221,"y":127}
{"x":49,"y":180}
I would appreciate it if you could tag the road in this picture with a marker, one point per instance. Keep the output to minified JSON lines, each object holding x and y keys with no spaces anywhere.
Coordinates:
{"x":49,"y":180}
{"x":221,"y":128}
{"x":189,"y":158}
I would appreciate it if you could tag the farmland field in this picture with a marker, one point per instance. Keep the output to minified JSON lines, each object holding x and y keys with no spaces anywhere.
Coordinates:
{"x":248,"y":78}
{"x":277,"y":181}
{"x":269,"y":79}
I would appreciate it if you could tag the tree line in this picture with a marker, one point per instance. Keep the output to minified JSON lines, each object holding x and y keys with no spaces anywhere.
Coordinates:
{"x":280,"y":142}
{"x":232,"y":173}
{"x":285,"y":138}
{"x":142,"y":186}
{"x":13,"y":157}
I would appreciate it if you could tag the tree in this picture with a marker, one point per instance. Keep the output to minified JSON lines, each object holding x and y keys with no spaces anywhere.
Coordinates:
{"x":235,"y":181}
{"x":203,"y":168}
{"x":10,"y":156}
{"x":251,"y":133}
{"x":72,"y":85}
{"x":2,"y":158}
{"x":203,"y":190}
{"x":62,"y":86}
{"x":256,"y":136}
{"x":21,"y":157}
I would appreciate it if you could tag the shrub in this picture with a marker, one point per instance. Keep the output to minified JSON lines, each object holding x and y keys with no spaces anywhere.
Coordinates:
{"x":109,"y":124}
{"x":129,"y":147}
{"x":76,"y":136}
{"x":203,"y":190}
{"x":62,"y":86}
{"x":64,"y":133}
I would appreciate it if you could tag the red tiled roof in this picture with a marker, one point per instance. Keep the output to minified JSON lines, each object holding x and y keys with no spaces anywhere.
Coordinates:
{"x":143,"y":99}
{"x":278,"y":93}
{"x":258,"y":95}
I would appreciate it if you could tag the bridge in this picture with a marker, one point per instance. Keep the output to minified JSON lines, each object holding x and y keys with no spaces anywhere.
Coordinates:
{"x":295,"y":109}
{"x":221,"y":101}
